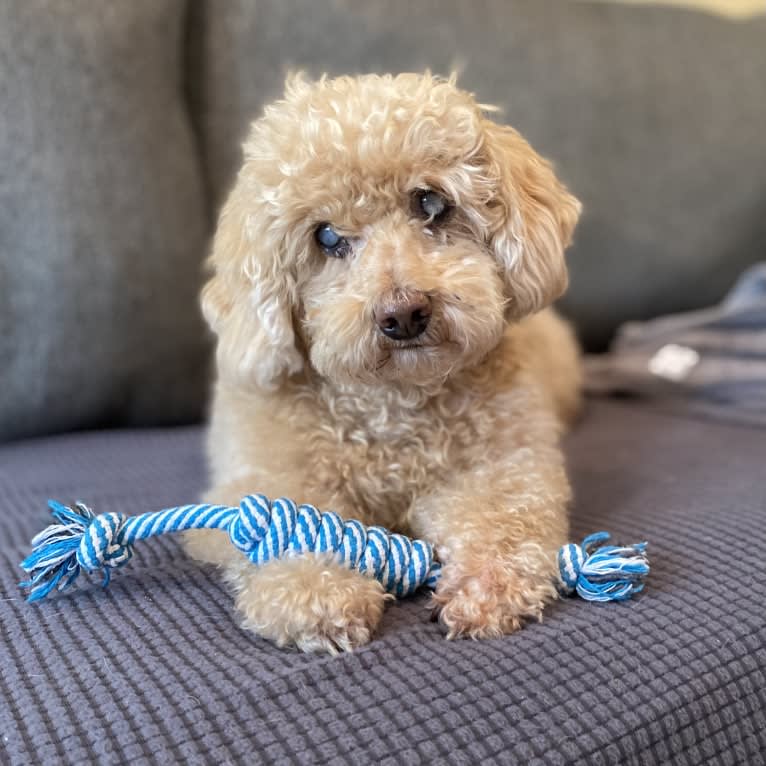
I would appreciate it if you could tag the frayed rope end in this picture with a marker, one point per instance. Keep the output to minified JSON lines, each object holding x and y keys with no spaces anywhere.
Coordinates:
{"x":607,"y":573}
{"x":57,"y":557}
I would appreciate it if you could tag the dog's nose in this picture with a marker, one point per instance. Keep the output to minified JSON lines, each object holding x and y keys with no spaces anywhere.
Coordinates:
{"x":404,"y":315}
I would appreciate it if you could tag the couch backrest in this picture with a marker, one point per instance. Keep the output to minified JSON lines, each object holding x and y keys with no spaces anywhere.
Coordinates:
{"x":103,"y":222}
{"x":120,"y":131}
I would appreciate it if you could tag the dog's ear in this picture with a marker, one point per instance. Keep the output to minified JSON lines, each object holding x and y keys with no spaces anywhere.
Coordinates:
{"x":249,"y":300}
{"x":531,"y":219}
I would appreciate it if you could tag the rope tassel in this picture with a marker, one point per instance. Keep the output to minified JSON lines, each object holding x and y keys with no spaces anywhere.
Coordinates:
{"x":264,"y":530}
{"x":609,"y":573}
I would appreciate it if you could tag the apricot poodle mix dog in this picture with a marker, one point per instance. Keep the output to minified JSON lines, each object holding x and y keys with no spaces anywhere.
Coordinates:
{"x":379,"y":273}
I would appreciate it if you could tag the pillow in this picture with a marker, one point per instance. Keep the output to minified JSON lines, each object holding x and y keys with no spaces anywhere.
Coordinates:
{"x":102,"y":219}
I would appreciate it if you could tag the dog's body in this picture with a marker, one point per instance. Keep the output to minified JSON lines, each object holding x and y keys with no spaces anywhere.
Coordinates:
{"x":378,"y":269}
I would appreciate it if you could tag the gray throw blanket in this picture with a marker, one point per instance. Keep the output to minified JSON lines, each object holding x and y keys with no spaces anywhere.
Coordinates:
{"x":710,"y":362}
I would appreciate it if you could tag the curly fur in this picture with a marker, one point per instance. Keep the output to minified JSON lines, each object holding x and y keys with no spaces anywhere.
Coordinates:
{"x":453,"y":438}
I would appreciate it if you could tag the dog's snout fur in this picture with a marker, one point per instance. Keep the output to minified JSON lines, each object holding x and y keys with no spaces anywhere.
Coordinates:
{"x":404,"y":314}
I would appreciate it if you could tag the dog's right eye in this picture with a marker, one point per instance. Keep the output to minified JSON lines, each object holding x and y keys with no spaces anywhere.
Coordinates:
{"x":332,"y":242}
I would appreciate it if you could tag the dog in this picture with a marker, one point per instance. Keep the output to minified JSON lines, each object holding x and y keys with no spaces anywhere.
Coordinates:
{"x":381,"y":274}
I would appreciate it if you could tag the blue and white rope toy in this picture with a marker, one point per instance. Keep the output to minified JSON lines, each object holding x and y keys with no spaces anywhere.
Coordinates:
{"x":263,"y":530}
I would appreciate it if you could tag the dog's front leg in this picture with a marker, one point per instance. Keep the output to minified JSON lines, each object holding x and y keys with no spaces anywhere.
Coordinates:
{"x":497,"y":530}
{"x":306,"y":601}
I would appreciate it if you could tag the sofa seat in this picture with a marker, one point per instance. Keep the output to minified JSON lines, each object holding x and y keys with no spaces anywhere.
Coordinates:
{"x":156,"y":670}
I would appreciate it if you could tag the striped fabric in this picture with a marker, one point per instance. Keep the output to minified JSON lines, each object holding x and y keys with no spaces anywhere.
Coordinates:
{"x":155,"y":670}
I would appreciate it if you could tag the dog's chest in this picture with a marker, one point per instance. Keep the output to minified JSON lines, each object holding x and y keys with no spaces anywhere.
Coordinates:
{"x":372,"y":458}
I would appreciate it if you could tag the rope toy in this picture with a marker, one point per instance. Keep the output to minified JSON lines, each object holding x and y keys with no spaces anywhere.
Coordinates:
{"x":263,"y":530}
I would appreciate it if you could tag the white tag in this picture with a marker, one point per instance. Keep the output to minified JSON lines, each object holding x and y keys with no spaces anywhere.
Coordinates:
{"x":674,"y":362}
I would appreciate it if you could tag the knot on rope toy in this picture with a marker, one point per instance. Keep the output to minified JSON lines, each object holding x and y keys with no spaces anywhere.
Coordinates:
{"x":608,"y":573}
{"x":80,"y":540}
{"x":264,"y":530}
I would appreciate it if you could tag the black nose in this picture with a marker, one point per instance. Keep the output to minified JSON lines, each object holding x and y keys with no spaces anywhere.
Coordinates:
{"x":404,"y":315}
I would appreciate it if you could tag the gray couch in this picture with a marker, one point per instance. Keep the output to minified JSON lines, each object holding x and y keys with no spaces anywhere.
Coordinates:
{"x":119,"y":135}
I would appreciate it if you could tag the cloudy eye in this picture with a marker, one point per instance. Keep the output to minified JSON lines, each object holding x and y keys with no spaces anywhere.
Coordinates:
{"x":431,"y":204}
{"x":332,"y":242}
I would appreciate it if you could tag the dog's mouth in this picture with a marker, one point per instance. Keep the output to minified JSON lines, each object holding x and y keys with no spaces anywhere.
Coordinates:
{"x":419,"y":344}
{"x":410,"y":356}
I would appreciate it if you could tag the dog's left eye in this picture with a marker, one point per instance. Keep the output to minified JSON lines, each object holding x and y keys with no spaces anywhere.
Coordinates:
{"x":332,"y":242}
{"x":430,"y":204}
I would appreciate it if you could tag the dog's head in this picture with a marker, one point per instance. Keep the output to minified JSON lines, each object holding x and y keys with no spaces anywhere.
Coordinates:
{"x":381,"y":229}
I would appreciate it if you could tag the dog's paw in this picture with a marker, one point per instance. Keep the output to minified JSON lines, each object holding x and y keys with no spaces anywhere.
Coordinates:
{"x":309,"y":603}
{"x":490,"y":596}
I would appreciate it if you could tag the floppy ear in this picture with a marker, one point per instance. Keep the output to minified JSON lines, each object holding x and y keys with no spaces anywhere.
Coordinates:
{"x":531,"y":217}
{"x":248,"y":302}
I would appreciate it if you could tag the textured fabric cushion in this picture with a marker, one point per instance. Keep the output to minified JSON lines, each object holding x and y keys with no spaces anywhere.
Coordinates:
{"x":155,"y":670}
{"x":654,"y":116}
{"x":102,"y":218}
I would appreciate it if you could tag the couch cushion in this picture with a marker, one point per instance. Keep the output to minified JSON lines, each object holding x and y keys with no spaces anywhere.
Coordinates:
{"x":653,"y":115}
{"x":156,"y":670}
{"x":102,"y":218}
